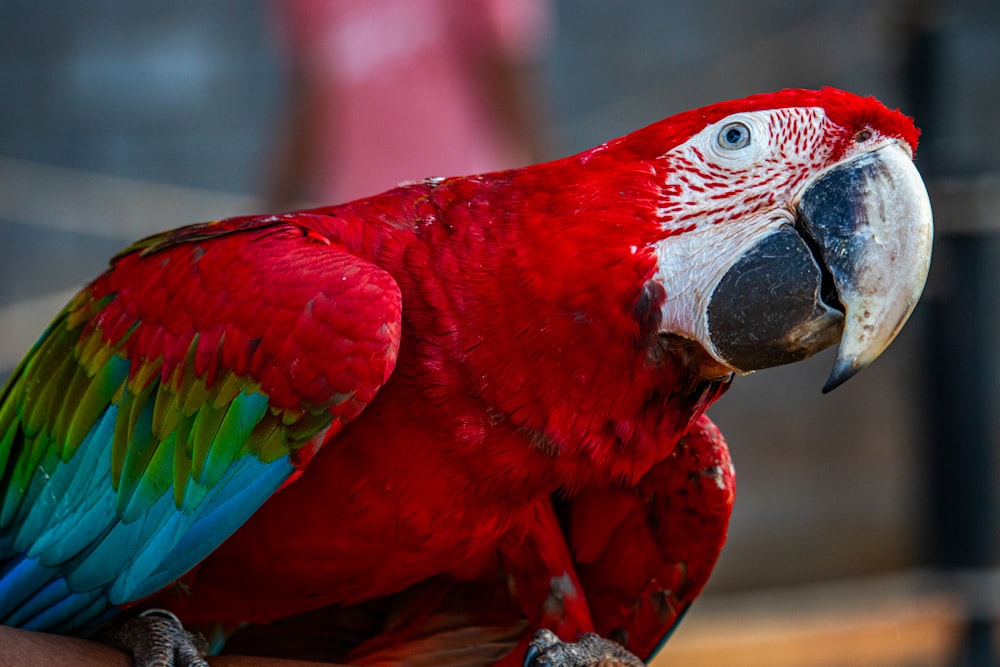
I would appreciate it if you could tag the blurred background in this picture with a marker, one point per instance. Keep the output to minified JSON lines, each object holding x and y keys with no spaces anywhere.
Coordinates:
{"x":865,"y":525}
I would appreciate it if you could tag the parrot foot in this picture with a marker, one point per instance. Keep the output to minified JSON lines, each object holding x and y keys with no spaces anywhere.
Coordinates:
{"x":546,"y":650}
{"x":156,"y":638}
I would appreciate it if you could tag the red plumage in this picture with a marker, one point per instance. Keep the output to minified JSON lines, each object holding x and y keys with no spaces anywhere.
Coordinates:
{"x":524,"y":370}
{"x":489,"y":398}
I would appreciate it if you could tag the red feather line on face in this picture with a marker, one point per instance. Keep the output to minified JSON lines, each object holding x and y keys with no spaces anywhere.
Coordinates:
{"x":702,"y":191}
{"x":846,"y":110}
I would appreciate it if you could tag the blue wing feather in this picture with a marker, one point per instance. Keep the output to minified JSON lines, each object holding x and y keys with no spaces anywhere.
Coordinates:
{"x":229,"y":508}
{"x":120,"y":471}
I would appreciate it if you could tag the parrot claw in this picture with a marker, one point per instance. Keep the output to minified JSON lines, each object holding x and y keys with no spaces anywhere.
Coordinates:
{"x":546,"y":650}
{"x":156,"y":638}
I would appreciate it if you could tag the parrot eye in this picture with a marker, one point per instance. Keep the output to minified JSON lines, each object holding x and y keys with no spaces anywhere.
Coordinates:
{"x":734,"y":136}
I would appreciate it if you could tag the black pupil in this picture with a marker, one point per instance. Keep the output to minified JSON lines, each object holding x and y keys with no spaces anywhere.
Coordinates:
{"x":734,"y":135}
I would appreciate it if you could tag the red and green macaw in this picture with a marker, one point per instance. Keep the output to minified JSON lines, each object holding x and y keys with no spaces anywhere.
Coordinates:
{"x":479,"y":396}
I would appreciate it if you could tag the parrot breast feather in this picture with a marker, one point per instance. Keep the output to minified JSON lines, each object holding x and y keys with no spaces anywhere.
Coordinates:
{"x":644,"y":553}
{"x":169,"y":400}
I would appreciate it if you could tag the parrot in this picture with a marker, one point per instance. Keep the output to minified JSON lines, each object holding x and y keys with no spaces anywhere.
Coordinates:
{"x":463,"y":421}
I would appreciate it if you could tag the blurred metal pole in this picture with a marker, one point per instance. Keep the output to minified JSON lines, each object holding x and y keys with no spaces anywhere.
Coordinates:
{"x":962,"y":498}
{"x":947,"y":65}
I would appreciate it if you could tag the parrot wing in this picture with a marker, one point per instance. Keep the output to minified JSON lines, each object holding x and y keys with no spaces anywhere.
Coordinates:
{"x":170,"y":399}
{"x":643,"y":554}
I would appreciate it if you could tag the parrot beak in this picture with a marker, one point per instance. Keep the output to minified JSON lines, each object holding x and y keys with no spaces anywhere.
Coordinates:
{"x":851,"y":268}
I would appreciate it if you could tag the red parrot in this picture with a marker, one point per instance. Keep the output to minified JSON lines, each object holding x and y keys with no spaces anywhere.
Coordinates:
{"x":473,"y":401}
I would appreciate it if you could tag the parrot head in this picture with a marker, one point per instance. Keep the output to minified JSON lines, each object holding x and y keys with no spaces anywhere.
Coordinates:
{"x":790,"y":221}
{"x":727,"y":239}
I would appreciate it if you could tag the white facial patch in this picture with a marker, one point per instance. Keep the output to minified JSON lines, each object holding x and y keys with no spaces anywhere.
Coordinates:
{"x":723,"y":192}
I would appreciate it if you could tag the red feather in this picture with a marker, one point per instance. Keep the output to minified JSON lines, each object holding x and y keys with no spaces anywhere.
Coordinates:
{"x":525,"y":368}
{"x":538,"y":441}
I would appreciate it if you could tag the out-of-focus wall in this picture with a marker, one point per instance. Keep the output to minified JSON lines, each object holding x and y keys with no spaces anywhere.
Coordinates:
{"x":187,"y":93}
{"x":178,"y":91}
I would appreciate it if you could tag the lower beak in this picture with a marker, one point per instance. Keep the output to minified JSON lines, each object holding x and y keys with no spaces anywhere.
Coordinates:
{"x":852,"y":268}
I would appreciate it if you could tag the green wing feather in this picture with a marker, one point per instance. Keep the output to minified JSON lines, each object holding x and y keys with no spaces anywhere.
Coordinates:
{"x":134,"y":440}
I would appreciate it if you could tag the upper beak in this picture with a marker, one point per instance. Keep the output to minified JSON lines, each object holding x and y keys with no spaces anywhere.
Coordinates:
{"x":852,"y":268}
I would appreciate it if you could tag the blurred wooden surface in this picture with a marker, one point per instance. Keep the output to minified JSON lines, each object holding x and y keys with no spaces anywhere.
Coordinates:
{"x":908,"y":620}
